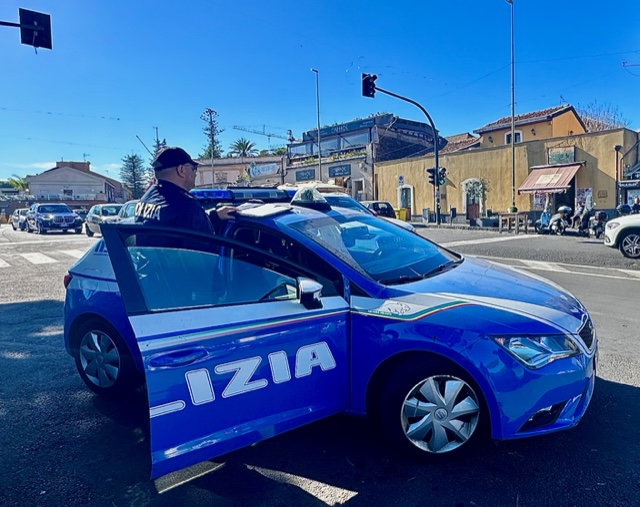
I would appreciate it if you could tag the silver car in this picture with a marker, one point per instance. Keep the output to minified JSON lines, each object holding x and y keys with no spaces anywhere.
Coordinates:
{"x":19,"y":219}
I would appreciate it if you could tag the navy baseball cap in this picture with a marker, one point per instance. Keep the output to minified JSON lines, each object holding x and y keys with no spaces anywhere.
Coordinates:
{"x":171,"y":156}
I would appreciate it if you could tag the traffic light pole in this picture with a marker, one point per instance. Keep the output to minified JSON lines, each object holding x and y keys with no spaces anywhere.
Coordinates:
{"x":435,"y":145}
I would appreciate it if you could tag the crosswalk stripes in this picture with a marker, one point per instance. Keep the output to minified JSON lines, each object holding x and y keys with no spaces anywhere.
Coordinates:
{"x":39,"y":258}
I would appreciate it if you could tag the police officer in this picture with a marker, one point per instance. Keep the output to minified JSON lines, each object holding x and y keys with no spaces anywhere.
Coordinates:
{"x":168,"y":202}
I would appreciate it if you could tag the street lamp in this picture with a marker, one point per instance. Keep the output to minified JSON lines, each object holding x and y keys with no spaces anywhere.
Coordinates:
{"x":617,"y":147}
{"x":513,"y":117}
{"x":315,"y":71}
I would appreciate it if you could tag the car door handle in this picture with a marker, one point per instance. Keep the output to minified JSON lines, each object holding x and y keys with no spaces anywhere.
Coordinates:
{"x":179,"y":358}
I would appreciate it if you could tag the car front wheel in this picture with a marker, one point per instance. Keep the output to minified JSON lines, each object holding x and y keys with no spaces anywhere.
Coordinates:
{"x":630,"y":245}
{"x":88,"y":231}
{"x":431,"y":411}
{"x":104,"y":360}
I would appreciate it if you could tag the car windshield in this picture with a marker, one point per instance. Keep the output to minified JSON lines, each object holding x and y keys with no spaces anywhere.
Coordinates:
{"x":54,"y":208}
{"x":344,"y":201}
{"x":110,"y":211}
{"x":378,"y":249}
{"x":127,"y":210}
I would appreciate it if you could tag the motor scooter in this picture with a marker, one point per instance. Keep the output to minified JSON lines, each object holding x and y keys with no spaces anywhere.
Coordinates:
{"x":553,"y":224}
{"x":596,"y":224}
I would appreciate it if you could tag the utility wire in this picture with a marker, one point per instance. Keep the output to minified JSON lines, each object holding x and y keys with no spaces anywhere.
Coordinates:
{"x":54,"y":113}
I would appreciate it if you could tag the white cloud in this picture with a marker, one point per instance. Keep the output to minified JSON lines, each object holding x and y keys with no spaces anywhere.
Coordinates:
{"x":34,"y":165}
{"x":111,"y":170}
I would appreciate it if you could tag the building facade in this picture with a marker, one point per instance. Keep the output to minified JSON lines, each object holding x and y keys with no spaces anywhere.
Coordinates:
{"x":564,"y":169}
{"x":74,"y":181}
{"x":349,"y":152}
{"x":232,"y":171}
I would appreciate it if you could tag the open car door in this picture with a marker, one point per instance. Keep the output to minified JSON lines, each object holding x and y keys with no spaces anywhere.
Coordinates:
{"x":237,"y":345}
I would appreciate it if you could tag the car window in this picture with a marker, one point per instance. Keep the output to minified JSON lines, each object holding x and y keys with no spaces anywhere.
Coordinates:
{"x":378,"y":249}
{"x":54,"y":208}
{"x":214,"y":277}
{"x":286,"y":249}
{"x":110,"y":211}
{"x":128,"y":210}
{"x":345,"y":202}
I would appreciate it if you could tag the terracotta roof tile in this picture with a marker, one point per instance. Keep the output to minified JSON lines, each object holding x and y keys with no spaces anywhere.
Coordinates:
{"x":459,"y":142}
{"x":523,"y":118}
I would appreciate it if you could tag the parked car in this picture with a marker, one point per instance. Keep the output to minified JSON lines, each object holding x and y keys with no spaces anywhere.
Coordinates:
{"x":19,"y":219}
{"x":623,"y":233}
{"x":127,"y":211}
{"x":81,"y":212}
{"x":346,"y":201}
{"x":381,"y":208}
{"x":43,"y":218}
{"x":298,"y":311}
{"x":101,"y":214}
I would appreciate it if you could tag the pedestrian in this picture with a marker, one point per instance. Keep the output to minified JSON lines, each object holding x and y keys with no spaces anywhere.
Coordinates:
{"x":635,"y":207}
{"x":168,"y":201}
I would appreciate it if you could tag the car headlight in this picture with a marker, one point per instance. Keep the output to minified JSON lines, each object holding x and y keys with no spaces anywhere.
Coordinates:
{"x":538,"y":351}
{"x":612,"y":225}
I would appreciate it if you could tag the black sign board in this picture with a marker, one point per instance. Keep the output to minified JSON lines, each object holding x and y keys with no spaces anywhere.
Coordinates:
{"x":35,"y":29}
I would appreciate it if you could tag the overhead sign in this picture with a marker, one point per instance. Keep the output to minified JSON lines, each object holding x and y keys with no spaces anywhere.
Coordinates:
{"x":306,"y":175}
{"x":339,"y":170}
{"x":262,"y":171}
{"x":35,"y":29}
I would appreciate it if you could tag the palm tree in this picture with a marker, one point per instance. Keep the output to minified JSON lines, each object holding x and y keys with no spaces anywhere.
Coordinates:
{"x":243,"y":148}
{"x":19,"y":183}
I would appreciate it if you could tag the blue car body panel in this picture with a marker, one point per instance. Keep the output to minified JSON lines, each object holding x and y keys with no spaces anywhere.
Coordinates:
{"x":219,"y":380}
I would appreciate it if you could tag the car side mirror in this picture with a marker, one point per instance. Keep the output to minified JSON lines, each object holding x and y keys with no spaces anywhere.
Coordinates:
{"x":309,"y":292}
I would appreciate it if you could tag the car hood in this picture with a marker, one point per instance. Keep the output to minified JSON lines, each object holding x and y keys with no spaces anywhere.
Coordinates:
{"x":501,"y":287}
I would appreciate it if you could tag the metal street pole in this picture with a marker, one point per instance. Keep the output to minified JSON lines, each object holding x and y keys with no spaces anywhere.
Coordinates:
{"x":318,"y":113}
{"x":617,"y":147}
{"x":435,"y":145}
{"x":513,"y":116}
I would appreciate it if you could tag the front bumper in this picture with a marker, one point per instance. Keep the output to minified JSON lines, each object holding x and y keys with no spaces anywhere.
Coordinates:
{"x":567,"y":387}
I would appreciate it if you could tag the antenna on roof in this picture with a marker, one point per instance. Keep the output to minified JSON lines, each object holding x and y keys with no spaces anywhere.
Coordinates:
{"x":85,"y":155}
{"x":145,"y":146}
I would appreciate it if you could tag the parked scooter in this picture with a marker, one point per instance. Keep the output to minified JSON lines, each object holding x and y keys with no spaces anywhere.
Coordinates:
{"x":584,"y":226}
{"x":554,"y":224}
{"x":596,"y":224}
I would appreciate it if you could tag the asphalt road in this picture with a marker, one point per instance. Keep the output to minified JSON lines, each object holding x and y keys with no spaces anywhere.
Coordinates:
{"x":61,"y":445}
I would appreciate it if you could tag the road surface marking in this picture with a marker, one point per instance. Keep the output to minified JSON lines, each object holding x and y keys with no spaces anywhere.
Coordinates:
{"x":76,"y":254}
{"x":630,"y":272}
{"x":326,"y":493}
{"x":66,"y":239}
{"x":486,"y":240}
{"x":545,"y":266}
{"x":37,"y":258}
{"x":4,"y":264}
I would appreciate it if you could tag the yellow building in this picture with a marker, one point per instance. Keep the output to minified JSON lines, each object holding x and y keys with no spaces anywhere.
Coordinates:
{"x":557,"y":159}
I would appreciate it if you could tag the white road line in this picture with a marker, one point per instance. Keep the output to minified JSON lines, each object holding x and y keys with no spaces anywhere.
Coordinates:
{"x":76,"y":254}
{"x":44,"y":242}
{"x":630,"y":272}
{"x":545,"y":266}
{"x":4,"y":264}
{"x":487,"y":240}
{"x":37,"y":258}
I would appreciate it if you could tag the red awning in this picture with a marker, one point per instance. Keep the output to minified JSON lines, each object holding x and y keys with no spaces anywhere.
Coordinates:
{"x":549,"y":179}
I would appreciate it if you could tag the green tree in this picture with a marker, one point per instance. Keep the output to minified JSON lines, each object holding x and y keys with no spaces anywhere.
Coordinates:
{"x":243,"y":148}
{"x":282,"y":150}
{"x":19,"y":183}
{"x":134,"y":175}
{"x":157,"y":146}
{"x":213,"y":148}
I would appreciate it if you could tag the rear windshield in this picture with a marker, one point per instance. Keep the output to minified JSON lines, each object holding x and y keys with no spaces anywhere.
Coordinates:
{"x":110,"y":211}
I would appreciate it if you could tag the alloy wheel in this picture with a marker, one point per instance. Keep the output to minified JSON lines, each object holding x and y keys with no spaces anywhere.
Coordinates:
{"x":99,"y":358}
{"x":440,"y":414}
{"x":630,"y":245}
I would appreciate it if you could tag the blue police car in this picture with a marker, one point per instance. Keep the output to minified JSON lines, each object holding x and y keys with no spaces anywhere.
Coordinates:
{"x":297,"y":311}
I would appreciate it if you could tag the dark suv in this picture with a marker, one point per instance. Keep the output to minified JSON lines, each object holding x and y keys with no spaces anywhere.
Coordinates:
{"x":43,"y":218}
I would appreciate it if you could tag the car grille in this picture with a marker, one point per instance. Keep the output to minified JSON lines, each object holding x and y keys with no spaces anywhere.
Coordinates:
{"x":587,"y":333}
{"x":61,"y":220}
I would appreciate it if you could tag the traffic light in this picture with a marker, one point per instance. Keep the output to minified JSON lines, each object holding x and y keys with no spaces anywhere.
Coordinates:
{"x":432,"y":175}
{"x":369,"y":85}
{"x":442,"y":176}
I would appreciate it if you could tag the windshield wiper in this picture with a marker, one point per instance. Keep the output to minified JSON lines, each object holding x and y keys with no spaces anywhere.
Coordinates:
{"x":441,"y":267}
{"x":400,"y":279}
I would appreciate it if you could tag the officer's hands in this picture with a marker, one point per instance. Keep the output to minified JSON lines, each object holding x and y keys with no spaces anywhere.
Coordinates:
{"x":226,"y":212}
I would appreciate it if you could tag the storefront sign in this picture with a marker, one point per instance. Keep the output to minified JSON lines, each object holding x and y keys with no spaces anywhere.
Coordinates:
{"x":262,"y":171}
{"x":305,"y":175}
{"x":564,"y":155}
{"x":339,"y":170}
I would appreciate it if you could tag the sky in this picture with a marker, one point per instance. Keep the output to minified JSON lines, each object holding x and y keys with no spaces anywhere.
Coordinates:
{"x":119,"y":69}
